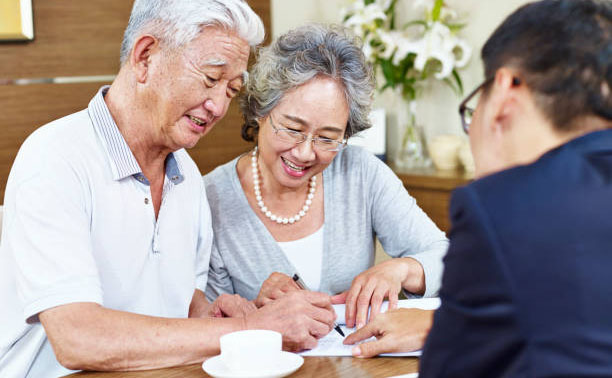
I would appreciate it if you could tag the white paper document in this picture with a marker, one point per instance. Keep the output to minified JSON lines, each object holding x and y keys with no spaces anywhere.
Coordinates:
{"x":331,"y":345}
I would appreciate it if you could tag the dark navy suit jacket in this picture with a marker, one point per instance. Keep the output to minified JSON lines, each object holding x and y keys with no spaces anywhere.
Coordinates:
{"x":527,"y":286}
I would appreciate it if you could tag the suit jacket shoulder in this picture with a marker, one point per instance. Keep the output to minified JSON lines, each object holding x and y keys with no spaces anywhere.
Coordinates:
{"x":526,"y":289}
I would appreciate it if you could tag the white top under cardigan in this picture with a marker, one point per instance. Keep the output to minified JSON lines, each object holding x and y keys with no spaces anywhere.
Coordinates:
{"x":363,"y":199}
{"x":306,"y":255}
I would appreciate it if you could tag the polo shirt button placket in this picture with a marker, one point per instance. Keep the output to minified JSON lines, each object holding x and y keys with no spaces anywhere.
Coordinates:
{"x":156,"y":238}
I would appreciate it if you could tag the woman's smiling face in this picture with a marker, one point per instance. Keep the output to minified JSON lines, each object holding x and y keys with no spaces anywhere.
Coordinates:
{"x":317,"y":108}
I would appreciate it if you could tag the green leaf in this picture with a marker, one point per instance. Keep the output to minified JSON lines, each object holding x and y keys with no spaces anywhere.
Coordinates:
{"x":408,"y":91}
{"x":390,"y":12}
{"x":451,"y":84}
{"x":387,"y":70}
{"x":384,"y":87}
{"x":437,"y":9}
{"x":392,"y":6}
{"x":459,"y":82}
{"x":368,"y":2}
{"x":456,"y":27}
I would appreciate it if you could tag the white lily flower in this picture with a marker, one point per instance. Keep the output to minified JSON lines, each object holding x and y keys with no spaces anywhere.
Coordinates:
{"x":351,"y":9}
{"x":406,"y":46}
{"x":367,"y":49}
{"x":438,"y":44}
{"x":388,"y":41}
{"x":448,"y":14}
{"x":355,"y":6}
{"x":427,"y":4}
{"x":442,"y":44}
{"x":384,"y":4}
{"x":465,"y":53}
{"x":366,"y":16}
{"x":430,"y":42}
{"x":358,"y":30}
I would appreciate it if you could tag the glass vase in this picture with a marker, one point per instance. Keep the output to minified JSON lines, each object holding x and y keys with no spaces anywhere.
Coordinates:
{"x":411,"y":152}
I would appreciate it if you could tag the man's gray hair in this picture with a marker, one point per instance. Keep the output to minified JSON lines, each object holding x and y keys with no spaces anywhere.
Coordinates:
{"x":178,"y":22}
{"x":299,"y":56}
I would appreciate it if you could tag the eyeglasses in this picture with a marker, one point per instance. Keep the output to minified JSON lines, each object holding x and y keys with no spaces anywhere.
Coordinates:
{"x":297,"y":137}
{"x":467,"y":109}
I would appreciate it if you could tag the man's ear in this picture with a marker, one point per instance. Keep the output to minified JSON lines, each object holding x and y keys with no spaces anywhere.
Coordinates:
{"x":502,"y":102}
{"x":140,"y":58}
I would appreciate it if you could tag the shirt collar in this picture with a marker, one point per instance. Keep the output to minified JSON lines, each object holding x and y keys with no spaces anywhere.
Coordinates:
{"x":122,"y":159}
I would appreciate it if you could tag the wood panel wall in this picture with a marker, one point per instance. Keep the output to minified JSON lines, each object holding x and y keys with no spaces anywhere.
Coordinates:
{"x":82,"y":38}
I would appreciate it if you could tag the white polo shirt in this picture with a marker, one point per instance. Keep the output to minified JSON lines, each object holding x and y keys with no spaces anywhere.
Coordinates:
{"x":79,"y":226}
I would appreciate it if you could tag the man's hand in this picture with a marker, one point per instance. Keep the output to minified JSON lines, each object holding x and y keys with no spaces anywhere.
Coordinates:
{"x":225,"y":306}
{"x":371,"y":287}
{"x":230,"y":306}
{"x":400,"y":330}
{"x":274,"y":287}
{"x":301,"y":316}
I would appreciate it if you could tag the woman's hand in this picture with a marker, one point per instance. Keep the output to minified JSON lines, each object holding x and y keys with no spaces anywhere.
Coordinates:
{"x":400,"y":330}
{"x":381,"y":281}
{"x":274,"y":287}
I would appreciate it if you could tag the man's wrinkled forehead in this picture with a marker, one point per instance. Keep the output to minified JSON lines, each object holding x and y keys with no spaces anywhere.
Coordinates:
{"x":216,"y":62}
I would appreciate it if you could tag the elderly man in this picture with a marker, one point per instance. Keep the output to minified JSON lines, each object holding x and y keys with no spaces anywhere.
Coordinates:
{"x":107,"y":230}
{"x":526,"y":288}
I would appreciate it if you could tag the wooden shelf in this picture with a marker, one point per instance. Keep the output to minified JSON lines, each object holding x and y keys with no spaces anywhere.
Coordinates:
{"x":432,"y":190}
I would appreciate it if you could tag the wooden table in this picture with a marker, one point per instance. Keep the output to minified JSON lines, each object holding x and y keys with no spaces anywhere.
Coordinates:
{"x":320,"y":367}
{"x":432,"y":189}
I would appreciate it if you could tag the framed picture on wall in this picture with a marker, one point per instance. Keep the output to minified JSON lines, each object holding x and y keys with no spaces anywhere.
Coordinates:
{"x":16,"y":22}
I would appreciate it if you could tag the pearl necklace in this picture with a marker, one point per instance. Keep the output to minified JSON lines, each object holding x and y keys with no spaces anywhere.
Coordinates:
{"x":262,"y":206}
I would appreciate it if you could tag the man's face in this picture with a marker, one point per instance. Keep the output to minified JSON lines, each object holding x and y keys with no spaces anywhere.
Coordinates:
{"x":485,"y":141}
{"x":478,"y":142}
{"x":192,"y":88}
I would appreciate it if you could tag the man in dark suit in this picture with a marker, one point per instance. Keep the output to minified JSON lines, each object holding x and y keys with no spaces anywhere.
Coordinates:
{"x":527,"y":287}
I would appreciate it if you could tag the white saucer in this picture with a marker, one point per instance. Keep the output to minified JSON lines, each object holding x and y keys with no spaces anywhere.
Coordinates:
{"x":287,"y":363}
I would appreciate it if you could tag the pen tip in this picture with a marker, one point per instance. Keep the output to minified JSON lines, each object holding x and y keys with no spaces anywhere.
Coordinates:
{"x":339,"y":330}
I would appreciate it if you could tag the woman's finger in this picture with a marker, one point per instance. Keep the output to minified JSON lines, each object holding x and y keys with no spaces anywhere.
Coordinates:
{"x":363,"y":303}
{"x":350,"y":308}
{"x":376,"y":302}
{"x":339,"y":298}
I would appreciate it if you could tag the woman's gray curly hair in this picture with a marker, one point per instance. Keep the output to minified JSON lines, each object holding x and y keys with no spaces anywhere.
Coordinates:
{"x":299,"y":56}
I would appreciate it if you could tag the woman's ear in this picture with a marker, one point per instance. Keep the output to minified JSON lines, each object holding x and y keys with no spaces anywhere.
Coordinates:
{"x":140,"y":58}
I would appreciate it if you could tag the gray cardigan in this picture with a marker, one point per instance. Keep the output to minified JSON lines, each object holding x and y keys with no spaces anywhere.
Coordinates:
{"x":363,"y":199}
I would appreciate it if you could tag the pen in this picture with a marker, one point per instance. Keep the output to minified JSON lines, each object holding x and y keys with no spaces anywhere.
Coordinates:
{"x":298,"y":280}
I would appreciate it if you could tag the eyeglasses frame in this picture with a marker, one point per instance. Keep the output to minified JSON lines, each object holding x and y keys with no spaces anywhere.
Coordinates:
{"x":340,"y":144}
{"x":463,"y":106}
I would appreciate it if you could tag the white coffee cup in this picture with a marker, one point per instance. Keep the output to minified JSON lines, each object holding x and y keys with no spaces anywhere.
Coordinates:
{"x":251,"y":350}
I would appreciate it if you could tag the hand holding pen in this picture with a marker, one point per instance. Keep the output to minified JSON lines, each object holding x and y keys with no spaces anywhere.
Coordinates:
{"x":303,"y":286}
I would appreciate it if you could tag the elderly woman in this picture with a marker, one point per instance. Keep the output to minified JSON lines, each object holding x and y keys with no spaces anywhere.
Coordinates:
{"x":302,"y":200}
